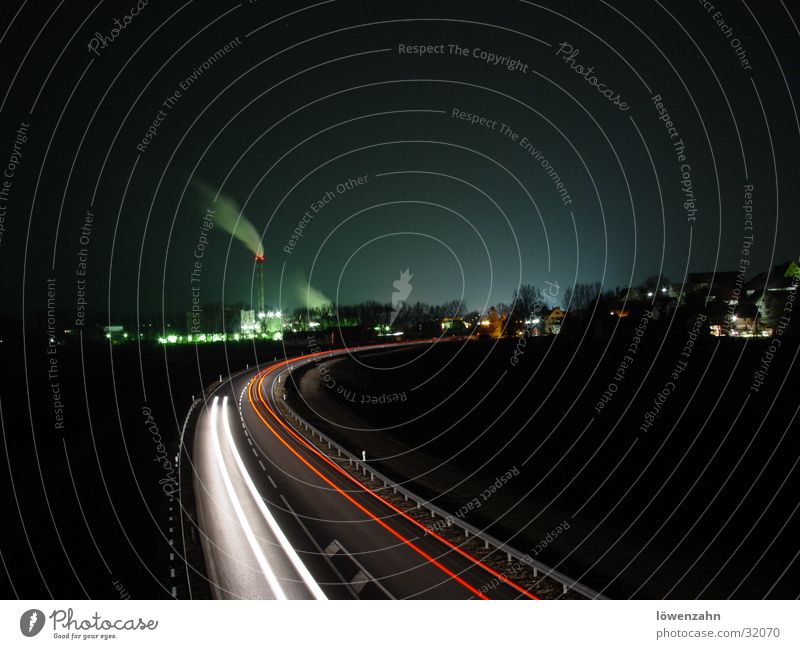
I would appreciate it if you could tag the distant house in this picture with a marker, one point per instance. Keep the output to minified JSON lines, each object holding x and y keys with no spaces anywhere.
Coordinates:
{"x":553,"y":321}
{"x":455,"y":324}
{"x":744,"y":320}
{"x":719,"y":286}
{"x":769,"y":292}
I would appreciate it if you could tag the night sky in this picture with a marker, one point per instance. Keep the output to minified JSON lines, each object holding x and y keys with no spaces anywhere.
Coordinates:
{"x":280,"y":106}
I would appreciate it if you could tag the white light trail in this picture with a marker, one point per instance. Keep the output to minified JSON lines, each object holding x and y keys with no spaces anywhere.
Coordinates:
{"x":291,"y":553}
{"x":272,"y":580}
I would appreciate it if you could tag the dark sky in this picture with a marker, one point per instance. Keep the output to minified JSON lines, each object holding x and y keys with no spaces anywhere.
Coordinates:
{"x":307,"y":99}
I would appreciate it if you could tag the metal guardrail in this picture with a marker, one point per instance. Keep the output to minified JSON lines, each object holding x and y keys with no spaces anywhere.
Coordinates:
{"x":489,"y":541}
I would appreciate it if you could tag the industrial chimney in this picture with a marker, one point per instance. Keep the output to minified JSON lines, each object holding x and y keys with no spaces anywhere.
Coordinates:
{"x":259,"y":285}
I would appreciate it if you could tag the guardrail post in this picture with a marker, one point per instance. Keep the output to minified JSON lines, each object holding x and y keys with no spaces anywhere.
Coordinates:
{"x":508,"y":554}
{"x":486,"y":545}
{"x":565,"y":589}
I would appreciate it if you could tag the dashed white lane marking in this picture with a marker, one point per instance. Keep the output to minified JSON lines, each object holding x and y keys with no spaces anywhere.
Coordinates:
{"x":272,"y":482}
{"x":261,"y":464}
{"x":254,"y":452}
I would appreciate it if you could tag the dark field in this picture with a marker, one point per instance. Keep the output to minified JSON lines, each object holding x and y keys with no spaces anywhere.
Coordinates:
{"x":109,"y":518}
{"x":700,"y":504}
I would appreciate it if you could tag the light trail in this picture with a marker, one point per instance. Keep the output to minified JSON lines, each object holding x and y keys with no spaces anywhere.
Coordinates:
{"x":291,"y":553}
{"x":266,"y":569}
{"x":259,"y":379}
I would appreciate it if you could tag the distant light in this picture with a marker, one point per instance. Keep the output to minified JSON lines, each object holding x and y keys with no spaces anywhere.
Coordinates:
{"x":610,"y":313}
{"x":649,"y":293}
{"x":278,"y":314}
{"x":261,"y":315}
{"x":664,"y":290}
{"x":733,"y":318}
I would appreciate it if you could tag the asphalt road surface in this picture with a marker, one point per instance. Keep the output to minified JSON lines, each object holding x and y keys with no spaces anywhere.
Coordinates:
{"x":279,"y":520}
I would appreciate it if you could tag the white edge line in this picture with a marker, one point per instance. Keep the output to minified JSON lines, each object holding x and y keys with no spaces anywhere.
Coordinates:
{"x":272,"y":580}
{"x":273,"y":524}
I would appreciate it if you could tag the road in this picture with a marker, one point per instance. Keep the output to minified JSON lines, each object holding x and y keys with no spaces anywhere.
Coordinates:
{"x":280,"y":520}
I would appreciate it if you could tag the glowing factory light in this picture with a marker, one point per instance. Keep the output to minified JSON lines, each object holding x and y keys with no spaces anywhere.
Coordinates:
{"x":272,"y":580}
{"x":261,"y":315}
{"x":291,"y":553}
{"x":172,"y":339}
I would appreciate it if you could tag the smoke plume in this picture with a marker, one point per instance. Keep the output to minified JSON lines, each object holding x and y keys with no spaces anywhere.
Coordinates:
{"x":228,"y":216}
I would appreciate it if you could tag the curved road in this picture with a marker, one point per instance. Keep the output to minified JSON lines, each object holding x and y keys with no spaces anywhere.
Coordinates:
{"x":279,"y":520}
